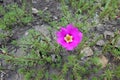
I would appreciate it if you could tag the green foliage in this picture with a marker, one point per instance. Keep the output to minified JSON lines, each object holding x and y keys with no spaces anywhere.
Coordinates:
{"x":37,"y":43}
{"x":95,"y":60}
{"x":89,"y":8}
{"x":28,"y":76}
{"x":2,"y":10}
{"x":26,"y":19}
{"x":117,"y":72}
{"x":37,"y":60}
{"x":94,"y":78}
{"x":116,"y":52}
{"x":14,"y":15}
{"x":79,"y":71}
{"x":110,"y":8}
{"x":108,"y":74}
{"x":111,"y":47}
{"x":45,"y":16}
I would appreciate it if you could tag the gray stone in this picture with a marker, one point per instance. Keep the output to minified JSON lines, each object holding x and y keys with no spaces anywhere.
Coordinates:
{"x":96,"y":18}
{"x":53,"y":57}
{"x":113,"y":22}
{"x":26,"y":33}
{"x":100,"y":27}
{"x":2,"y":74}
{"x":1,"y":30}
{"x":34,"y":1}
{"x":55,"y":17}
{"x":97,"y":50}
{"x":14,"y":76}
{"x":96,"y":36}
{"x":103,"y":60}
{"x":87,"y":51}
{"x":43,"y":29}
{"x":34,"y":11}
{"x":118,"y":43}
{"x":20,"y":52}
{"x":108,"y":27}
{"x":100,"y":43}
{"x":53,"y":34}
{"x":108,"y":34}
{"x":47,"y":1}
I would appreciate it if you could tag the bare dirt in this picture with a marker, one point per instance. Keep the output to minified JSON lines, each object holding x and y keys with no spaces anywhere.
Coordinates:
{"x":53,"y":7}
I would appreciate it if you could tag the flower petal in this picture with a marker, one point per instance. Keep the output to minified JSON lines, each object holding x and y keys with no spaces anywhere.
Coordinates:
{"x":62,"y":32}
{"x":74,"y":32}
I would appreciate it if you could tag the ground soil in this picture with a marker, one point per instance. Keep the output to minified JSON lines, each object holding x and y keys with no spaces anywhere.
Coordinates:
{"x":53,"y":7}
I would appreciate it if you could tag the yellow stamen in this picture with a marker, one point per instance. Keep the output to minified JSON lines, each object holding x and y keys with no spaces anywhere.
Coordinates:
{"x":68,"y":38}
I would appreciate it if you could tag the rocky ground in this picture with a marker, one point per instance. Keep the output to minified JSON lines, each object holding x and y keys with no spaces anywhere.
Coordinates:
{"x":107,"y":30}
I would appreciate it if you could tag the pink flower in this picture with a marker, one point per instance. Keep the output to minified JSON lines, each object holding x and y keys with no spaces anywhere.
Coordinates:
{"x":69,"y":37}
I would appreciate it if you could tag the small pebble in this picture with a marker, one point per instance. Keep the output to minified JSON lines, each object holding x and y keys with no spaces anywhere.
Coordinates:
{"x":100,"y":43}
{"x":87,"y":51}
{"x":108,"y":34}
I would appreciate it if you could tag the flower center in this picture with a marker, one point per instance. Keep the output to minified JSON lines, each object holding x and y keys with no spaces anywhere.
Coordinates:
{"x":68,"y":38}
